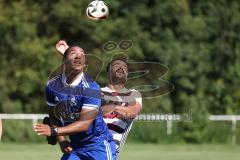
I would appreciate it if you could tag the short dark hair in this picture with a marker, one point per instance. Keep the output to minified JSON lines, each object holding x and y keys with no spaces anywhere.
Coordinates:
{"x":68,"y":49}
{"x":120,"y":57}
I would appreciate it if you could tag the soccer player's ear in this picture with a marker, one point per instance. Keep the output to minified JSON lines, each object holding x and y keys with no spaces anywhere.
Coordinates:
{"x":61,"y":46}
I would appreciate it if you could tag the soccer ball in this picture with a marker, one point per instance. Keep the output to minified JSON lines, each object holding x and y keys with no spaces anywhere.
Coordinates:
{"x":97,"y":10}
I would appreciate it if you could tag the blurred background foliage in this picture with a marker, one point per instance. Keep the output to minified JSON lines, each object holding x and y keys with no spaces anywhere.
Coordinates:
{"x":198,"y":40}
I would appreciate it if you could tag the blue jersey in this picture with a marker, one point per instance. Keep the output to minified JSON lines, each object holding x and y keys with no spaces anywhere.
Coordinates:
{"x":68,"y":101}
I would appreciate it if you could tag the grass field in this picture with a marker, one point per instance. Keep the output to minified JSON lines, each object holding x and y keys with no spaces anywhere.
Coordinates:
{"x":12,"y":151}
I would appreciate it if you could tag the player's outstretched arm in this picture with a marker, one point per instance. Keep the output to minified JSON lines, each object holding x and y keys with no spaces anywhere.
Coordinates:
{"x":87,"y":116}
{"x":129,"y":112}
{"x":126,"y":112}
{"x":133,"y":109}
{"x":108,"y":108}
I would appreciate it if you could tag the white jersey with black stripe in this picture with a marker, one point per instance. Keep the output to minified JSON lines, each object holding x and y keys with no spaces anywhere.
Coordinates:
{"x":119,"y":127}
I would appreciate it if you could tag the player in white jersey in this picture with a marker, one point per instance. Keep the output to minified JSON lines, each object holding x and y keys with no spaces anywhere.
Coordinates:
{"x":120,"y":105}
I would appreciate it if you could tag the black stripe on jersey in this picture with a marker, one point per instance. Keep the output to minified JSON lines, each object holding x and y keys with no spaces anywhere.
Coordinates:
{"x":115,"y":128}
{"x":113,"y":102}
{"x":116,"y":94}
{"x":124,"y":137}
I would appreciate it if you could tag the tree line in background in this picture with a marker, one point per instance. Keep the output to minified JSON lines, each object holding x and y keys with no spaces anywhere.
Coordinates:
{"x":198,"y":40}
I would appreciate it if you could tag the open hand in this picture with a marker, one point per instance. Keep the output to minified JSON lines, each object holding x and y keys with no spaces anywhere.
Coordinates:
{"x":42,"y":129}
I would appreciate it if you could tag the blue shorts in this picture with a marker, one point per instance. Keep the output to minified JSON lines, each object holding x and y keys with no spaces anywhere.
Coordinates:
{"x":103,"y":151}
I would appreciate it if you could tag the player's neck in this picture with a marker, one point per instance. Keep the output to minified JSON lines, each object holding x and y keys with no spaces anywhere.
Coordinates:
{"x":72,"y":76}
{"x":116,"y":87}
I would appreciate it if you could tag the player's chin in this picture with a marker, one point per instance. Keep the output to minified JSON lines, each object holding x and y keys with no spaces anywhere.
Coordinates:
{"x":78,"y":68}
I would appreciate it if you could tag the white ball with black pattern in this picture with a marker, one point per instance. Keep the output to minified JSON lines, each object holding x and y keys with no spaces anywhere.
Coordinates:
{"x":97,"y":10}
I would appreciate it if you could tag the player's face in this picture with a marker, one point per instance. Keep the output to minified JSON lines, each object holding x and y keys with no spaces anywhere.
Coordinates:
{"x":119,"y":70}
{"x":75,"y":59}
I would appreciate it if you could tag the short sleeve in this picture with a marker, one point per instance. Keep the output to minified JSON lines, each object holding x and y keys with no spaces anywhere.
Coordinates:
{"x":137,"y":96}
{"x":50,"y":98}
{"x":92,"y":98}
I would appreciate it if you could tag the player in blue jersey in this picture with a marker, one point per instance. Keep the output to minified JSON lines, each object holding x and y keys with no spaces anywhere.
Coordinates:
{"x":74,"y":100}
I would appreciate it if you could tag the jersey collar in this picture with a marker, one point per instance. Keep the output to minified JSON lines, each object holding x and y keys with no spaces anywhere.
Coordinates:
{"x":123,"y":90}
{"x":75,"y":82}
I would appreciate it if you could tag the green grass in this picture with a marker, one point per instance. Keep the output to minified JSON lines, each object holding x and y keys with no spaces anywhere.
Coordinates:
{"x":16,"y":151}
